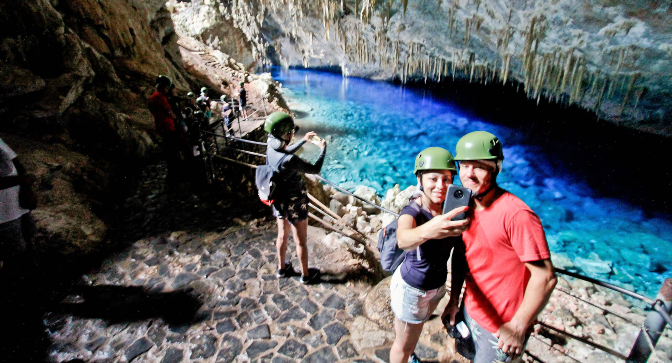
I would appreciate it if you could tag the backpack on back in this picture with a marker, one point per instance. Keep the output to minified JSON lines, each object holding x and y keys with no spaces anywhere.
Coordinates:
{"x":265,"y":179}
{"x":391,"y":256}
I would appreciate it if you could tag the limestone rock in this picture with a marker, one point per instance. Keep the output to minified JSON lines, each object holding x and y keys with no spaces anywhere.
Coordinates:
{"x":377,"y":304}
{"x":367,"y":334}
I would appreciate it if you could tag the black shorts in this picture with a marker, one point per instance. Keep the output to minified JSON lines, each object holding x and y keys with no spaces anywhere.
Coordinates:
{"x":293,"y":208}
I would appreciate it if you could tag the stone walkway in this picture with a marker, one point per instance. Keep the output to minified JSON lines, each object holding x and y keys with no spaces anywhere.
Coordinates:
{"x":192,"y":290}
{"x":212,"y":298}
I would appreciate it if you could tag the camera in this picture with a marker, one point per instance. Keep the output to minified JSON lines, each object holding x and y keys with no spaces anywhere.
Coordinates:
{"x":458,"y":194}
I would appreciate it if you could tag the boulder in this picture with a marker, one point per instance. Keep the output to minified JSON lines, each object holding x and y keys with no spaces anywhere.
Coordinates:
{"x":336,"y":207}
{"x":377,"y":304}
{"x":593,"y":266}
{"x":367,"y":193}
{"x":343,"y":198}
{"x":560,"y":260}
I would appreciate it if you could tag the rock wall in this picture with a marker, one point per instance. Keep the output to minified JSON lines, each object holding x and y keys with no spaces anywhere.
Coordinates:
{"x":75,"y":77}
{"x":609,"y":56}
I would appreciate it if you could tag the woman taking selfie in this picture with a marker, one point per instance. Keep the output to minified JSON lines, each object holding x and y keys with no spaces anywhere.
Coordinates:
{"x":428,"y":236}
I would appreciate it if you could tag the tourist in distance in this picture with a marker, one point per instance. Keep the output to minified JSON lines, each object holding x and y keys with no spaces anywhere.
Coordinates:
{"x":203,"y":102}
{"x":242,"y":100}
{"x":419,"y":282}
{"x":165,"y":124}
{"x":291,"y":200}
{"x":16,"y":201}
{"x":510,"y":275}
{"x":226,"y":117}
{"x":191,"y":97}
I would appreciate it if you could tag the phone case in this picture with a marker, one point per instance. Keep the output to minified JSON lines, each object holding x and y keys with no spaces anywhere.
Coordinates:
{"x":457,"y":196}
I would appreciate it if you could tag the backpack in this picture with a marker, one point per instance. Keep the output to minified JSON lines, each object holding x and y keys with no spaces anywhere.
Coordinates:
{"x":264,"y":178}
{"x":391,"y":256}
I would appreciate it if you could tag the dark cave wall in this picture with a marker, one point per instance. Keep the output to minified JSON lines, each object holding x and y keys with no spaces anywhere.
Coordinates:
{"x":75,"y":77}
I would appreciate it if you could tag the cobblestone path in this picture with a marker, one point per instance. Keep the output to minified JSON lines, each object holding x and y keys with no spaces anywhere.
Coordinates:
{"x":202,"y":288}
{"x":212,"y":298}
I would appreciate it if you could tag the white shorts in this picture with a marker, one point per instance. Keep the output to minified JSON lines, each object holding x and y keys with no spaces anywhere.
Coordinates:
{"x":409,"y":304}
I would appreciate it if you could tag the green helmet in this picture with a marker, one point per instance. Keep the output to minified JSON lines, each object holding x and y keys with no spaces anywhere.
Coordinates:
{"x":434,"y":158}
{"x":199,"y":114}
{"x":204,"y":89}
{"x":188,"y":111}
{"x":278,"y":124}
{"x":479,"y":145}
{"x":242,"y":83}
{"x":163,"y":81}
{"x":223,"y":98}
{"x":190,"y":94}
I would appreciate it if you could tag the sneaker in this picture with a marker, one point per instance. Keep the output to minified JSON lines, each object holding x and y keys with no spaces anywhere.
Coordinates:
{"x":415,"y":359}
{"x":313,"y":275}
{"x":287,"y":271}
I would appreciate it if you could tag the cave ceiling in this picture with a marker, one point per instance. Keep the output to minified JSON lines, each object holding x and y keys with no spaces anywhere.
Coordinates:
{"x":611,"y":57}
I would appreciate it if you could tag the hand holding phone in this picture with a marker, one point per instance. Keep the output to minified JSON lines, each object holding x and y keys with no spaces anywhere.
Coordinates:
{"x":456,"y":197}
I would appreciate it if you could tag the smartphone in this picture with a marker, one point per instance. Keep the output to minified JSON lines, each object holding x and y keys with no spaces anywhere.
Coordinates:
{"x":316,"y":138}
{"x":457,"y":196}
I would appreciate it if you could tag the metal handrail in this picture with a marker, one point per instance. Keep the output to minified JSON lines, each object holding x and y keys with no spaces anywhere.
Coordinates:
{"x":607,"y":285}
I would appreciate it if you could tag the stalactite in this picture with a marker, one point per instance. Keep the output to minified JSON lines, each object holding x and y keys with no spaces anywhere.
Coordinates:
{"x":405,"y":2}
{"x":467,"y":28}
{"x":596,"y":80}
{"x":505,"y":67}
{"x":578,"y":81}
{"x":640,"y":95}
{"x":472,"y":63}
{"x":478,"y":4}
{"x":631,"y":86}
{"x":600,"y":96}
{"x":451,"y":21}
{"x":568,"y":64}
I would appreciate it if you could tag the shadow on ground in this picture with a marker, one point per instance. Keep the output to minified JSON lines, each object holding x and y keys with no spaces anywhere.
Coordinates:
{"x":37,"y":291}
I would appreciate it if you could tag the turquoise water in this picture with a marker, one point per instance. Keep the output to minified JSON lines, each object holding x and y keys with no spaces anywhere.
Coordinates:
{"x":376,"y":129}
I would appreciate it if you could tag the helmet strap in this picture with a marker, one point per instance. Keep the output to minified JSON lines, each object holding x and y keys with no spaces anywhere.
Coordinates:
{"x":493,"y":184}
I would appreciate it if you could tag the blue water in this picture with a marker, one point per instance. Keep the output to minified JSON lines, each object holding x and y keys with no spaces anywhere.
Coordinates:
{"x":376,"y":129}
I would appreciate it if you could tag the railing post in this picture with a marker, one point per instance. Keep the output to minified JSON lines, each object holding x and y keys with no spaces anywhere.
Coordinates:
{"x":655,"y":323}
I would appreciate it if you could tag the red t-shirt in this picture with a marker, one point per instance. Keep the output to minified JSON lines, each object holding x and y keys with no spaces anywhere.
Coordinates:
{"x":500,"y":239}
{"x":160,"y":109}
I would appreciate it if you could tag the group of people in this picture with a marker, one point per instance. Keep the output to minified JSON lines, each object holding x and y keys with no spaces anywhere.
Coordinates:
{"x":499,"y":250}
{"x":178,"y":120}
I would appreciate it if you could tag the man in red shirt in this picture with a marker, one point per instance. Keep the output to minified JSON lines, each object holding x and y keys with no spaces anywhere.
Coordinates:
{"x":510,"y":276}
{"x":165,"y":124}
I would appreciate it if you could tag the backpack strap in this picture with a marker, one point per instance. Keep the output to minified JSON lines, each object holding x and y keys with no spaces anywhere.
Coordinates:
{"x":417,"y":253}
{"x":276,"y":167}
{"x":418,"y":208}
